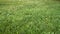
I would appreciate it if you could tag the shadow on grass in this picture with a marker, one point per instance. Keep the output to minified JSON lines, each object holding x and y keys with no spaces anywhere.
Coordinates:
{"x":57,"y":0}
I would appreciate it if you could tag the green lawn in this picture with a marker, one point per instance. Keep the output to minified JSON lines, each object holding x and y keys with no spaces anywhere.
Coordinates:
{"x":30,"y":17}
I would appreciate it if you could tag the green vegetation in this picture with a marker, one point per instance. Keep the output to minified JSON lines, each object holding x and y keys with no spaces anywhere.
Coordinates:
{"x":30,"y":17}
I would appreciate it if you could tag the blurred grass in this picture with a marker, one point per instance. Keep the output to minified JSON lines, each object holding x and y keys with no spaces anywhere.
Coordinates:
{"x":30,"y":17}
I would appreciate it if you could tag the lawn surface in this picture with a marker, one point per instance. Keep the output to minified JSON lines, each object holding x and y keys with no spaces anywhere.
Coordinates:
{"x":30,"y":17}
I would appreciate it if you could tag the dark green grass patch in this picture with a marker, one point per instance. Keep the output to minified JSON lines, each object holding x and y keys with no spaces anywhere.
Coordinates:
{"x":30,"y":17}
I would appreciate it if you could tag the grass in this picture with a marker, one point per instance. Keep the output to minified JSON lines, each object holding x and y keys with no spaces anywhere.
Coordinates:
{"x":30,"y":17}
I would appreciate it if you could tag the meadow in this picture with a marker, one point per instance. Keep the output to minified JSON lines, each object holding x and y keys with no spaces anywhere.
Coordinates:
{"x":30,"y":17}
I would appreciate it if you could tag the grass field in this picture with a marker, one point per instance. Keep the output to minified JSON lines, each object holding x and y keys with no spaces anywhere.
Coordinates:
{"x":30,"y":17}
